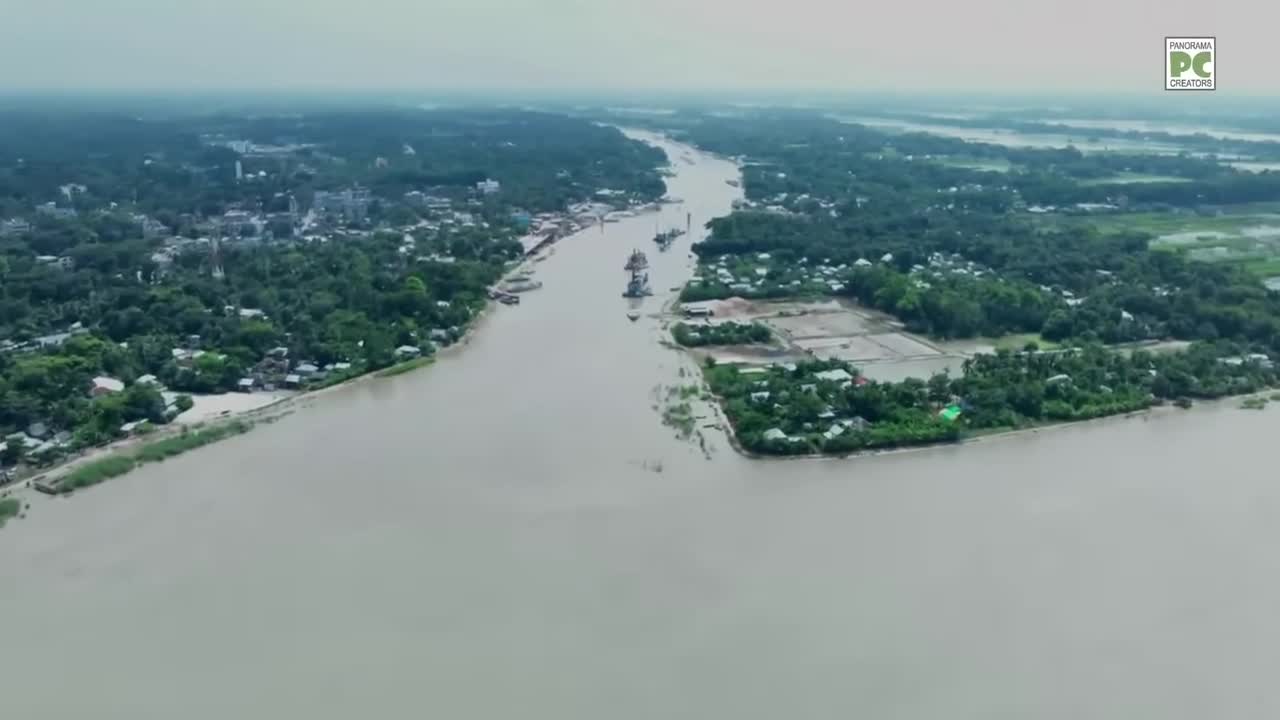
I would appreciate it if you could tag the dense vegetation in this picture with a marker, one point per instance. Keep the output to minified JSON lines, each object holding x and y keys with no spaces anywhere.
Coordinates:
{"x":725,"y":333}
{"x":156,"y":259}
{"x":177,"y":164}
{"x":846,"y":210}
{"x":794,"y":410}
{"x":916,"y":226}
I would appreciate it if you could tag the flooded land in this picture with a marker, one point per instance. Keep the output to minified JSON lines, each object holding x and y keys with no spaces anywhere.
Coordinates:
{"x":515,"y":533}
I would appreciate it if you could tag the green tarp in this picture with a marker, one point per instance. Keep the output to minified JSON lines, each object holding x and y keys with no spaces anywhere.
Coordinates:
{"x":950,"y":412}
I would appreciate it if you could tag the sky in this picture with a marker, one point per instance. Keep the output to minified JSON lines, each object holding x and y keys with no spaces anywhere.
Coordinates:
{"x":1106,"y":46}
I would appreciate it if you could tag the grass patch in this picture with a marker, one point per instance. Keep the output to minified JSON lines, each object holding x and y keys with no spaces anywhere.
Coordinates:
{"x":99,"y":471}
{"x":404,"y":367}
{"x":1263,"y":267}
{"x":1019,"y":341}
{"x":678,"y":413}
{"x":1165,"y":223}
{"x":9,"y":508}
{"x":169,"y":447}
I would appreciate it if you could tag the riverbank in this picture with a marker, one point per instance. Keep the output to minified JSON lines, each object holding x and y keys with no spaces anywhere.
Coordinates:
{"x":104,"y":469}
{"x":829,"y":407}
{"x":1254,"y":401}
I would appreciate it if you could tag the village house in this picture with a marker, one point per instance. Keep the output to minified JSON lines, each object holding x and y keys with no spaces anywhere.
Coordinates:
{"x":103,"y":385}
{"x":835,"y":375}
{"x":130,"y":428}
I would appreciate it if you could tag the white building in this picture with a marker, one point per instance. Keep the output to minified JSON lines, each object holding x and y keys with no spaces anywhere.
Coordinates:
{"x":103,"y":385}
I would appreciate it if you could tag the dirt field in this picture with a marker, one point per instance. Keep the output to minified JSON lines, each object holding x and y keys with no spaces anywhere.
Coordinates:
{"x":832,"y":330}
{"x":823,"y":324}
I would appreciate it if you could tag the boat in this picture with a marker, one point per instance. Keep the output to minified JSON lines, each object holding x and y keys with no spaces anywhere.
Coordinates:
{"x":633,"y":316}
{"x":503,"y":297}
{"x":519,"y":286}
{"x":638,"y":285}
{"x":731,"y":183}
{"x":666,"y":237}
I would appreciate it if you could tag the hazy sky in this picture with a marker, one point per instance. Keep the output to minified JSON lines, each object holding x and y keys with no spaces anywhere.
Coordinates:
{"x":1015,"y":45}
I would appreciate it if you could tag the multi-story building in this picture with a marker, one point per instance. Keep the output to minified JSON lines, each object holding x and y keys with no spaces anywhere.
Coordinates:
{"x":14,"y":226}
{"x":352,"y":203}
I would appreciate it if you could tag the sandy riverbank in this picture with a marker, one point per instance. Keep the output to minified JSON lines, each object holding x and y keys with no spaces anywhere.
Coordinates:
{"x":206,"y":408}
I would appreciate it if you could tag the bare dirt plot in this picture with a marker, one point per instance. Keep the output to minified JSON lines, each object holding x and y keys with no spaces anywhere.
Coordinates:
{"x":925,"y":368}
{"x":816,"y":325}
{"x":857,"y":348}
{"x":904,"y":345}
{"x":797,"y":308}
{"x":740,"y":308}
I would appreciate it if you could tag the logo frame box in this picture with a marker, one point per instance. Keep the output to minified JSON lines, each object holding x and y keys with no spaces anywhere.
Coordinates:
{"x":1191,"y":63}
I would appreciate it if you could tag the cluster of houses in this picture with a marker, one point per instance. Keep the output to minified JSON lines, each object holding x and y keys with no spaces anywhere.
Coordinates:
{"x":39,"y":441}
{"x":1258,"y":359}
{"x":747,"y":277}
{"x":835,"y":425}
{"x":276,"y":371}
{"x":787,"y":204}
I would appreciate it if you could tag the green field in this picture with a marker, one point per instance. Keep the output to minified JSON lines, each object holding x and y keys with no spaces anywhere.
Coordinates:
{"x":1264,"y":267}
{"x":1019,"y":340}
{"x":1245,"y":234}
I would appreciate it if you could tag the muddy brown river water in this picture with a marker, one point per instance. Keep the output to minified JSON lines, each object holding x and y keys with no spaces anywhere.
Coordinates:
{"x":491,"y":538}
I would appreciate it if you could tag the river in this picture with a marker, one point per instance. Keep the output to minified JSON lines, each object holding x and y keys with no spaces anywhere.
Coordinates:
{"x":492,"y":538}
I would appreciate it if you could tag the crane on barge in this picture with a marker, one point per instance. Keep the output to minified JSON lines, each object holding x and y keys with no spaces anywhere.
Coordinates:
{"x":637,"y":265}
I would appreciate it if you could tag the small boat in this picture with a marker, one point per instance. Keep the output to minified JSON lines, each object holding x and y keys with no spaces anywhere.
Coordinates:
{"x":518,"y":286}
{"x":633,"y":316}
